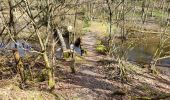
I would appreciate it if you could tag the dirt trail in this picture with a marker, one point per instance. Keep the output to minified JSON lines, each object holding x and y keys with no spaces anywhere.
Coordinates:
{"x":92,"y":57}
{"x":90,"y":82}
{"x":87,"y":83}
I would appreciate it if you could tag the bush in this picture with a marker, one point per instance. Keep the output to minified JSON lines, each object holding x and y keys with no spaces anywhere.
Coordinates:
{"x":101,"y":49}
{"x":42,"y":76}
{"x":86,"y":22}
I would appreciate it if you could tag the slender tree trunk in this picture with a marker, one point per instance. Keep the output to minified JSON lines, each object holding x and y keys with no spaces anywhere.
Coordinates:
{"x":63,"y":44}
{"x":110,"y":25}
{"x":50,"y":71}
{"x":19,"y":64}
{"x":73,"y":54}
{"x":51,"y":80}
{"x":53,"y":54}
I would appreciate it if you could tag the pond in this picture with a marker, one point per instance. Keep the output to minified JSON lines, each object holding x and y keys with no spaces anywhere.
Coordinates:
{"x":24,"y":48}
{"x":143,"y":49}
{"x":21,"y":45}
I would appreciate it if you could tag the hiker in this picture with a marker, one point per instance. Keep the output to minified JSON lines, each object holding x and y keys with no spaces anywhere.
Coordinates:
{"x":77,"y":46}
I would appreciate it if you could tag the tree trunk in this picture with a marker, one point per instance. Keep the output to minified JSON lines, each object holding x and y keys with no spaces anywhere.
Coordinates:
{"x":110,"y":25}
{"x":51,"y":81}
{"x":19,"y":65}
{"x":12,"y":30}
{"x":50,"y":71}
{"x":63,"y":44}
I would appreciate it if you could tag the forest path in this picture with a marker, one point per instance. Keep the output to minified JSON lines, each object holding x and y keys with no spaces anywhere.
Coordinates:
{"x":88,"y":83}
{"x":92,"y":57}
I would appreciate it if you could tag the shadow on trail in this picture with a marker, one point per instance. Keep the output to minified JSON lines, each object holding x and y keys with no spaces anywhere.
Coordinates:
{"x":86,"y":80}
{"x":95,"y":84}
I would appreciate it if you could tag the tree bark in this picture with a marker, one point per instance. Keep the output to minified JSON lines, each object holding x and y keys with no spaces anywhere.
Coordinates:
{"x":50,"y":71}
{"x":63,"y":44}
{"x":19,"y":65}
{"x":12,"y":30}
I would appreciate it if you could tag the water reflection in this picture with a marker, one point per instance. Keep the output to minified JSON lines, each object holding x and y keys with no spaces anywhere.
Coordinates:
{"x":22,"y":47}
{"x":25,"y":48}
{"x":144,"y":49}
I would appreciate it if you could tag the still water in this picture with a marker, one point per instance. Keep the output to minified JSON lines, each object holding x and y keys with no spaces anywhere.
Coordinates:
{"x":143,"y":49}
{"x":22,"y":47}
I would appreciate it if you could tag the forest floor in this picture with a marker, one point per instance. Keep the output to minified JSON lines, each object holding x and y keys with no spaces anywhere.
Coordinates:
{"x":90,"y":82}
